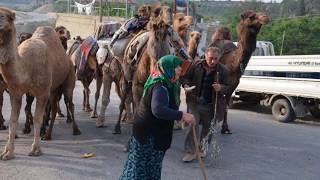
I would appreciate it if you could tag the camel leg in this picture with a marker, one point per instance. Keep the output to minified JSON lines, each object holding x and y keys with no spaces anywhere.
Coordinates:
{"x":94,"y":113}
{"x":107,"y":82}
{"x":53,"y":104}
{"x":225,"y":128}
{"x":86,"y":94}
{"x":41,"y":103}
{"x":127,"y":93}
{"x":137,"y":92}
{"x":46,"y":119}
{"x":29,"y":118}
{"x":8,"y":152}
{"x":70,"y":108}
{"x":59,"y":112}
{"x":2,"y":126}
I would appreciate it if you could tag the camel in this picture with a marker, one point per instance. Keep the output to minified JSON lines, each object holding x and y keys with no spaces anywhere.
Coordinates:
{"x":112,"y":72}
{"x":39,"y":66}
{"x":181,"y":24}
{"x":62,"y":33}
{"x":91,"y":71}
{"x":237,"y":60}
{"x":194,"y":41}
{"x":161,"y":38}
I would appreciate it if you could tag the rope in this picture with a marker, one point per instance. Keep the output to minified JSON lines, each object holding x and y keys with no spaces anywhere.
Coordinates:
{"x":203,"y":171}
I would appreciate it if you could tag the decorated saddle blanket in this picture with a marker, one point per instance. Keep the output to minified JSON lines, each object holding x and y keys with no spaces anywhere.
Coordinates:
{"x":136,"y":46}
{"x":87,"y":47}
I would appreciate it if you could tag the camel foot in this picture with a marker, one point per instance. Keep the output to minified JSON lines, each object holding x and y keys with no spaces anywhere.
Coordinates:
{"x":3,"y":127}
{"x":76,"y":132}
{"x":35,"y":152}
{"x":69,"y":120}
{"x":94,"y":114}
{"x":6,"y":155}
{"x":46,"y":137}
{"x":26,"y":130}
{"x":87,"y":109}
{"x":117,"y":131}
{"x":59,"y":115}
{"x":225,"y":131}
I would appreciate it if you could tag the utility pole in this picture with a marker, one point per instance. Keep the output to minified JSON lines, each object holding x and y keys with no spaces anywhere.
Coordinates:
{"x":126,"y":9}
{"x":100,"y":12}
{"x":174,"y":6}
{"x":283,"y":36}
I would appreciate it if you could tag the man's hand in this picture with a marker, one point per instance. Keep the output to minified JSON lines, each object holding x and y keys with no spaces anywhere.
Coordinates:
{"x":217,"y":87}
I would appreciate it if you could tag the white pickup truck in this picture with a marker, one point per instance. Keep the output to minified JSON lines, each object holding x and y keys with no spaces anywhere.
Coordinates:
{"x":289,"y":84}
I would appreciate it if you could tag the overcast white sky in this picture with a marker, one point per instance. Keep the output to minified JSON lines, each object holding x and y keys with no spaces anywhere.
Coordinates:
{"x":243,"y":0}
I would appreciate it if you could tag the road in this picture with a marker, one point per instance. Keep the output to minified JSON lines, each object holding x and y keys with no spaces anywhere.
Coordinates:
{"x":259,"y":148}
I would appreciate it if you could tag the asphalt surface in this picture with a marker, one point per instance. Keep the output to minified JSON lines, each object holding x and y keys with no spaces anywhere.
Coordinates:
{"x":259,"y":148}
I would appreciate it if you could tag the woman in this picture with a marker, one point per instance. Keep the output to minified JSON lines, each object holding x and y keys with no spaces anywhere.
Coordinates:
{"x":153,"y":121}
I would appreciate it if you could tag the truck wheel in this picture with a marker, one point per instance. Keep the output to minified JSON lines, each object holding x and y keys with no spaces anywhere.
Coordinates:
{"x":282,"y":111}
{"x":315,"y":112}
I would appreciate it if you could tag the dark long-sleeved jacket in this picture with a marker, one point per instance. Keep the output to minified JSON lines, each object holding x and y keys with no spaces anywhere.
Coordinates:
{"x":194,"y":77}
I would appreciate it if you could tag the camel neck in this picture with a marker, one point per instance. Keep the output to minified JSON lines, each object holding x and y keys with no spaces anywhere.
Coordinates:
{"x":9,"y":61}
{"x":246,"y":46}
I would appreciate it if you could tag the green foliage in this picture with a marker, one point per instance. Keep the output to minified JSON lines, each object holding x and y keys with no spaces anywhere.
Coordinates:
{"x":301,"y":35}
{"x":117,"y":10}
{"x":60,"y":6}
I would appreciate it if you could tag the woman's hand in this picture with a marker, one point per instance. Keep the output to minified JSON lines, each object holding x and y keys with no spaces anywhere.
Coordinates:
{"x":188,"y":118}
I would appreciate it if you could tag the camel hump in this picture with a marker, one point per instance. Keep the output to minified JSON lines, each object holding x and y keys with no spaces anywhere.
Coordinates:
{"x":225,"y":46}
{"x":44,"y":31}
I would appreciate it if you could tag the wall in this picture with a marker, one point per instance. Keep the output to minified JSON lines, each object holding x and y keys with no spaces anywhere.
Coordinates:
{"x":81,"y":25}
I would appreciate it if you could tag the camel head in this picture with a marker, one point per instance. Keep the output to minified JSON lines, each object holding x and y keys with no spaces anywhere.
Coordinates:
{"x":251,"y":23}
{"x":195,"y":36}
{"x":158,"y":28}
{"x":63,"y":35}
{"x":24,"y":36}
{"x":222,"y":33}
{"x":144,"y":11}
{"x":163,"y":12}
{"x":7,"y":29}
{"x":182,"y":24}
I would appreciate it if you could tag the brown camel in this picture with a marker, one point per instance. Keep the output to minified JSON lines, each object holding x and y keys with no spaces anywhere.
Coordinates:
{"x":237,"y":60}
{"x":194,"y":41}
{"x":39,"y":66}
{"x":161,"y":37}
{"x":91,"y":71}
{"x":62,"y":33}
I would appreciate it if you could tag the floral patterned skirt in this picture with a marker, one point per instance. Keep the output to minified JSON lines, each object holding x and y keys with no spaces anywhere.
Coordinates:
{"x":144,"y":162}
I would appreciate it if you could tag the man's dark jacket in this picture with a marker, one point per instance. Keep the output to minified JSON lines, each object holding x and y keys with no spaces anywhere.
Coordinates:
{"x":194,"y":77}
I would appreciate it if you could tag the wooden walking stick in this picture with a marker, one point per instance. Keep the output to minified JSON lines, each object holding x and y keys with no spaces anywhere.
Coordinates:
{"x":203,"y":171}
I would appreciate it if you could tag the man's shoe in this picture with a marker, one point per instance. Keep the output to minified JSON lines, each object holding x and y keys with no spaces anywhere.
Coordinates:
{"x":188,"y":157}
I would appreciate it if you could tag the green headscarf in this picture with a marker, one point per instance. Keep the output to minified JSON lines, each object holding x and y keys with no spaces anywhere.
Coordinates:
{"x":165,"y":74}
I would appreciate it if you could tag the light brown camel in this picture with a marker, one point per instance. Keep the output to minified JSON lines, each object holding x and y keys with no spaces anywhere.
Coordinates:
{"x":237,"y":60}
{"x":181,"y":24}
{"x":39,"y":66}
{"x":3,"y":86}
{"x":112,"y":72}
{"x":62,"y":33}
{"x":194,"y":41}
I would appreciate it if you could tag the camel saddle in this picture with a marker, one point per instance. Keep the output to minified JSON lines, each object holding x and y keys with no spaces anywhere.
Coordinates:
{"x":130,"y":45}
{"x":225,"y":46}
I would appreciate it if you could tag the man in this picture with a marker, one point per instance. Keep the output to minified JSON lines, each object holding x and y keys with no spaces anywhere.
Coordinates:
{"x":135,"y":24}
{"x":209,"y":78}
